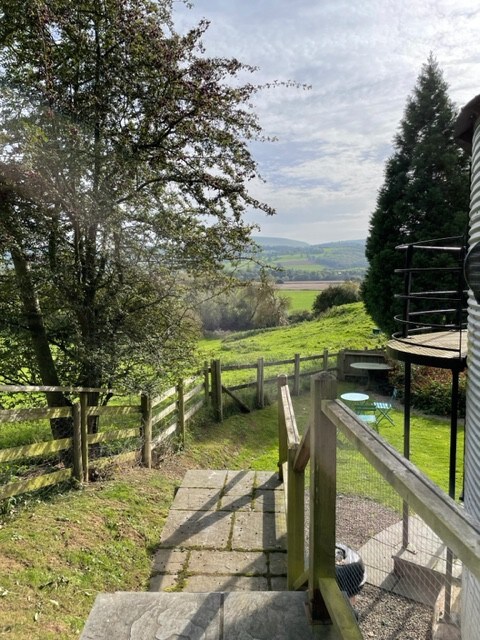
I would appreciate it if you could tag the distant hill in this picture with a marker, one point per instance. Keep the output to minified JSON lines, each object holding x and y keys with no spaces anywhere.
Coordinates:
{"x":294,"y":260}
{"x":265,"y":241}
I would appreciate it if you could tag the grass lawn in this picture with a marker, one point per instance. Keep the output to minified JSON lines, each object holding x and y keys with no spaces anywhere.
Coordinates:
{"x":59,"y":551}
{"x":300,"y":299}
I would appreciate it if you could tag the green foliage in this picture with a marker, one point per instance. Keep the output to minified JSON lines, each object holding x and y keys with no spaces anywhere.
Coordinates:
{"x":250,"y":306}
{"x":124,"y":165}
{"x":431,"y":390}
{"x":336,"y":296}
{"x":425,"y":194}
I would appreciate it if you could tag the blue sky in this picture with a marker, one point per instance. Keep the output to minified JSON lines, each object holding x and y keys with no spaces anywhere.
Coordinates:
{"x":362,"y":61}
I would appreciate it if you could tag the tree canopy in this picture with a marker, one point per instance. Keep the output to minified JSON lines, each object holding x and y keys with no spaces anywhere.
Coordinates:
{"x":425,"y":194}
{"x":124,"y":175}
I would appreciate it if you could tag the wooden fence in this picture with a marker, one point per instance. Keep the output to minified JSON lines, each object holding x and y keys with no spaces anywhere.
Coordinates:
{"x":153,"y":420}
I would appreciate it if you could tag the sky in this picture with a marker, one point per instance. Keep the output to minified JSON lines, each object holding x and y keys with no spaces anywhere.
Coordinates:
{"x":362,"y":60}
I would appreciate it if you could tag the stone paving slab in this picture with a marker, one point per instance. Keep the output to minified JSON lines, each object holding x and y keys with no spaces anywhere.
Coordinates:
{"x":262,"y":531}
{"x":187,"y":529}
{"x":202,"y":616}
{"x":236,"y":502}
{"x":240,"y":482}
{"x":191,"y":499}
{"x":202,"y":583}
{"x":277,"y":564}
{"x":269,"y":501}
{"x":228,"y":562}
{"x":169,"y":560}
{"x":267,"y":480}
{"x":204,"y":479}
{"x":163,"y":582}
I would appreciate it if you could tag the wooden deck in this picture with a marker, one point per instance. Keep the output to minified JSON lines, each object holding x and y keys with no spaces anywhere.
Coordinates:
{"x":442,"y":349}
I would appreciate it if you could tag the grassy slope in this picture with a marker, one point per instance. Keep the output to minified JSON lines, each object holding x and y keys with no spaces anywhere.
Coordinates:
{"x":344,"y":327}
{"x":300,"y":300}
{"x":57,"y":553}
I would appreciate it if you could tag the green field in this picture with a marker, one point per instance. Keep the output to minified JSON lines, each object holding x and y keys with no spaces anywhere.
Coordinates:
{"x":343,"y":327}
{"x":300,"y":300}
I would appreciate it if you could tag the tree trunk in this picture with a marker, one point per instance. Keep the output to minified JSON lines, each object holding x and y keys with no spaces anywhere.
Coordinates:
{"x":61,"y":427}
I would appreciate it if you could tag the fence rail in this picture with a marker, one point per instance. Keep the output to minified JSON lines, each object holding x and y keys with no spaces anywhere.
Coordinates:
{"x":148,"y":430}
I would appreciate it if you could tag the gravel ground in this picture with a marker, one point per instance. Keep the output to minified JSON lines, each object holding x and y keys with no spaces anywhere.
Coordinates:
{"x":382,"y":615}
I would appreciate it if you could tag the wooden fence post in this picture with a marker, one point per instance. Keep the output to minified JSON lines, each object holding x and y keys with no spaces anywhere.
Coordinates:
{"x":77,"y":443}
{"x":295,"y":520}
{"x":206,"y":383}
{"x":84,"y":432}
{"x":146,"y":429}
{"x":325,"y":359}
{"x":323,"y":450}
{"x":296,"y":375}
{"x":181,"y":411}
{"x":217,"y":399}
{"x":282,"y":431}
{"x":260,"y":387}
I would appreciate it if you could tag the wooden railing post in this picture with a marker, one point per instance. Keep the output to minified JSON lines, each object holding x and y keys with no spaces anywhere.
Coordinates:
{"x":146,"y":407}
{"x":84,"y":433}
{"x":217,"y":398}
{"x":323,"y":449}
{"x":296,"y":375}
{"x":77,"y":443}
{"x":295,"y":520}
{"x":260,"y":387}
{"x":325,"y":359}
{"x":181,"y":411}
{"x":282,"y":431}
{"x":206,"y":383}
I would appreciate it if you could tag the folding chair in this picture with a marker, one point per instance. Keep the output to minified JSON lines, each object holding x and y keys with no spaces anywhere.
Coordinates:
{"x":384,"y":409}
{"x":367,"y":412}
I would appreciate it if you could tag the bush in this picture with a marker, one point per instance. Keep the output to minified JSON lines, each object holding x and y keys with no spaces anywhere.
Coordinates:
{"x":432,"y":390}
{"x":335,"y":296}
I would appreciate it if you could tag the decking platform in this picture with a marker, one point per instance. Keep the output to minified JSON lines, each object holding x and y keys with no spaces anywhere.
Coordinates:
{"x":219,"y":572}
{"x":442,"y":349}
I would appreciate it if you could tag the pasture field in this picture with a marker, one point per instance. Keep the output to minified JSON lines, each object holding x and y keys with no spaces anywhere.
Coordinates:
{"x":300,"y":300}
{"x":343,"y":327}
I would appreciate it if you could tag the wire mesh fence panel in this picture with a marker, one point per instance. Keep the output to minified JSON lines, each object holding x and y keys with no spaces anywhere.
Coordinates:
{"x":412,"y":582}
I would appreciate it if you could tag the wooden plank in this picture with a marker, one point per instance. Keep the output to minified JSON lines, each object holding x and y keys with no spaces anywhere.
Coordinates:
{"x":340,"y":610}
{"x":33,"y":484}
{"x":238,"y":367}
{"x":15,"y":388}
{"x":293,"y":437}
{"x":194,"y":409}
{"x":441,"y":514}
{"x":245,"y":385}
{"x":77,"y":443}
{"x":120,"y":458}
{"x":323,"y":450}
{"x":112,"y":434}
{"x":193,"y":392}
{"x":164,"y":413}
{"x":124,"y":410}
{"x":19,"y":415}
{"x":37,"y":449}
{"x":243,"y":407}
{"x":164,"y":435}
{"x":191,"y":380}
{"x":282,"y":382}
{"x":303,"y":452}
{"x":295,"y":520}
{"x":146,"y":405}
{"x":181,"y":412}
{"x":166,"y":394}
{"x":84,"y":433}
{"x":278,"y":363}
{"x":260,"y":384}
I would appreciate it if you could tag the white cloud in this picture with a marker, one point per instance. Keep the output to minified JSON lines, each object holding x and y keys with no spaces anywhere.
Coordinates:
{"x":362,"y":60}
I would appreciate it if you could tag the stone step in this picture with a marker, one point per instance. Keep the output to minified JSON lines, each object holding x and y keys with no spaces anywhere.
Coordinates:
{"x":280,"y":615}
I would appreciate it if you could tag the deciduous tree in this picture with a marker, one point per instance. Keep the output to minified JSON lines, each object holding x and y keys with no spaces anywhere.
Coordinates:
{"x":123,"y":182}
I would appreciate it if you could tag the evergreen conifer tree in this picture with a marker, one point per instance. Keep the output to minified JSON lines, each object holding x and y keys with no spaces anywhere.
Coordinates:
{"x":425,"y":194}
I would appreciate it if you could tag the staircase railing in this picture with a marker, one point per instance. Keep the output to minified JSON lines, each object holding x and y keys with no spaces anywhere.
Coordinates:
{"x":439,"y":511}
{"x":435,"y":308}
